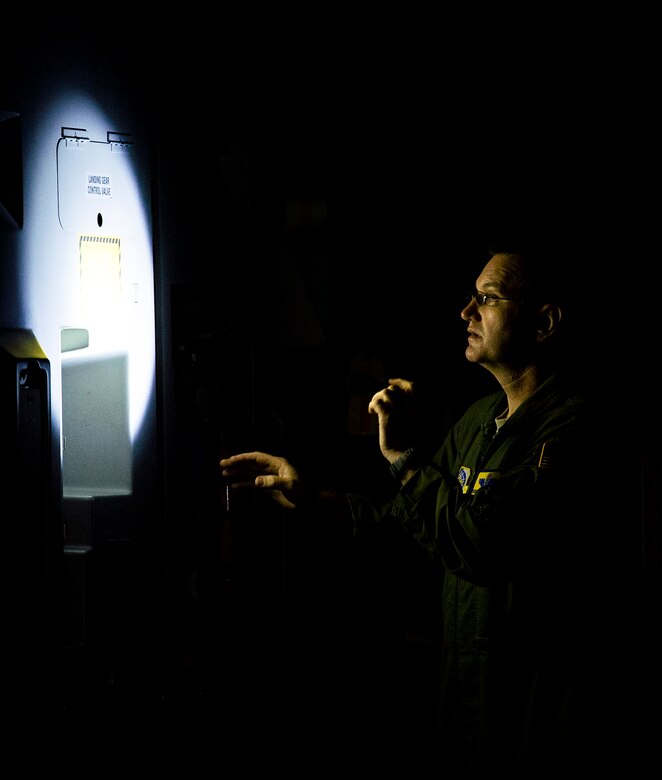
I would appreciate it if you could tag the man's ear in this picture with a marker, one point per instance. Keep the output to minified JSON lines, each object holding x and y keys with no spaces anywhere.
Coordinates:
{"x":549,"y":317}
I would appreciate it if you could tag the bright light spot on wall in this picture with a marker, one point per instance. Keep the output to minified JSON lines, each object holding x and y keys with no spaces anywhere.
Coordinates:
{"x":88,"y":267}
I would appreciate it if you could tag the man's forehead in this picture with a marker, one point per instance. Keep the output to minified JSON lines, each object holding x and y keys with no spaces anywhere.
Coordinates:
{"x":500,"y":271}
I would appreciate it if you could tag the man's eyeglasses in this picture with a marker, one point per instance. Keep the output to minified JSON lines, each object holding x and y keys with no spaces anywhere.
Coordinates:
{"x":482,"y":298}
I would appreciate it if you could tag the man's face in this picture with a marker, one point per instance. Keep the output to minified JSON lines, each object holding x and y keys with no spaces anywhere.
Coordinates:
{"x":498,"y":332}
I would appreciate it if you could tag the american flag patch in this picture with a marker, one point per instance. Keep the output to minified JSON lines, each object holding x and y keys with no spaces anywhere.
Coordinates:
{"x":543,"y":461}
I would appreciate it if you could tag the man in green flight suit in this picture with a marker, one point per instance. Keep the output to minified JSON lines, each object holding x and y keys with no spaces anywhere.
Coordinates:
{"x":505,"y":506}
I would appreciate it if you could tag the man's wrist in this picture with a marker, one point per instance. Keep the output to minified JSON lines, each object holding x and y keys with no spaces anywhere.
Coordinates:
{"x":401,"y":463}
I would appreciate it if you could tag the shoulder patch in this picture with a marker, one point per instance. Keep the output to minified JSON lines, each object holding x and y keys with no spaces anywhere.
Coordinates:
{"x":483,"y":479}
{"x":463,"y":477}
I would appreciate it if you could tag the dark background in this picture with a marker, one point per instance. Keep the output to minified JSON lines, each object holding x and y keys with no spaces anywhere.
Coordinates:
{"x":422,"y":155}
{"x":325,"y":189}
